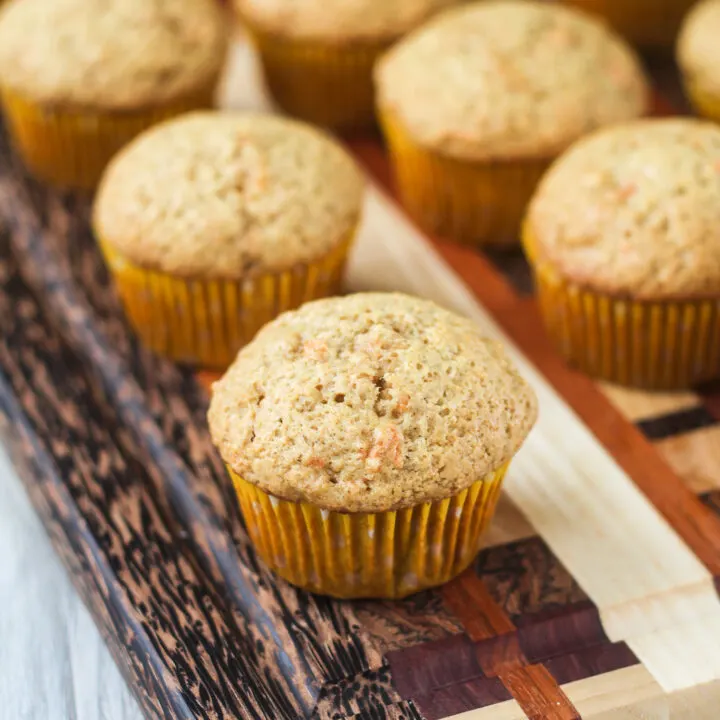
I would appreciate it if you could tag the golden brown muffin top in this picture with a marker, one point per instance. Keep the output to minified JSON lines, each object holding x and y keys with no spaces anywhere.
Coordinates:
{"x":228,"y":195}
{"x":698,"y":50}
{"x":338,"y":20}
{"x":110,"y":54}
{"x":635,"y":210}
{"x":509,"y":79}
{"x":369,"y":403}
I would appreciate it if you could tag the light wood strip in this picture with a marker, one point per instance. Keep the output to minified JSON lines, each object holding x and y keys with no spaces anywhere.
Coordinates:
{"x":628,"y":694}
{"x":639,"y":405}
{"x":700,"y":703}
{"x":508,"y":710}
{"x":695,"y":456}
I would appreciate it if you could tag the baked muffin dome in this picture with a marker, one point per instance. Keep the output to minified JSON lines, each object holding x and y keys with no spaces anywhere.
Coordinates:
{"x":370,"y":403}
{"x":228,"y":195}
{"x":635,"y":210}
{"x":697,"y":50}
{"x":110,"y":54}
{"x":508,"y":79}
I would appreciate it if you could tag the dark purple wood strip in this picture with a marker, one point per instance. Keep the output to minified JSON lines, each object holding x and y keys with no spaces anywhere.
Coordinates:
{"x":417,"y":670}
{"x":590,"y":661}
{"x":677,"y":423}
{"x":461,"y":697}
{"x":710,"y":395}
{"x":560,"y":631}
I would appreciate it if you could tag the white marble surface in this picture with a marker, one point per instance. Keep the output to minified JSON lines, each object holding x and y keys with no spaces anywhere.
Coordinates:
{"x":53,"y":663}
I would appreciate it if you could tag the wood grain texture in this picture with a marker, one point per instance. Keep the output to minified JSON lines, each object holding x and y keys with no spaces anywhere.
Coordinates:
{"x":53,"y":662}
{"x":613,"y":607}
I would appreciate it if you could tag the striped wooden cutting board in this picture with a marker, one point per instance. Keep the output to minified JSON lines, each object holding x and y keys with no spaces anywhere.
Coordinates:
{"x":595,"y":596}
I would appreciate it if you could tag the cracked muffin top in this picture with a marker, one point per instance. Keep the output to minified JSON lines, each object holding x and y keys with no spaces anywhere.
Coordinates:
{"x":228,"y":195}
{"x":503,"y":79}
{"x":340,"y":20}
{"x":110,"y":54}
{"x":369,"y":403}
{"x":635,"y":210}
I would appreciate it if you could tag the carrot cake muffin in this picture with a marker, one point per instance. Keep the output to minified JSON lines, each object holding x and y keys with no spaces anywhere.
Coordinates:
{"x":624,"y":237}
{"x":367,"y":437}
{"x":476,"y":103}
{"x":650,"y":23}
{"x":79,"y":78}
{"x":698,"y":56}
{"x":214,"y":223}
{"x":317,"y":57}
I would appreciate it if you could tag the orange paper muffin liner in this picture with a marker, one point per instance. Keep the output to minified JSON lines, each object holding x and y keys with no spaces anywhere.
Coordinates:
{"x":472,"y":202}
{"x":650,"y":23}
{"x":71,"y":148}
{"x":328,"y":85}
{"x":383,"y":555}
{"x":668,"y":344}
{"x":206,"y":321}
{"x":705,"y":102}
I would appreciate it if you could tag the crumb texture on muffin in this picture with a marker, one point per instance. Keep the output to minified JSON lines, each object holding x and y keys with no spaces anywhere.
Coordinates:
{"x":509,"y":78}
{"x":228,"y":195}
{"x":111,"y":54}
{"x":698,"y":45}
{"x":635,"y":210}
{"x":339,"y":20}
{"x":370,"y":403}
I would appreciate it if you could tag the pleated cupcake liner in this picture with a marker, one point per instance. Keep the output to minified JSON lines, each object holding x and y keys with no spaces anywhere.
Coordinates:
{"x":369,"y":555}
{"x":72,"y":148}
{"x":475,"y":203}
{"x":705,"y":101}
{"x":650,"y":23}
{"x":328,"y":85}
{"x":205,"y":322}
{"x":668,"y":344}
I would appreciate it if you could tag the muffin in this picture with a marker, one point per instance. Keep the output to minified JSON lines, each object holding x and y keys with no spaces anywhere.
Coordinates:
{"x":317,"y":57}
{"x":367,"y":437}
{"x":652,"y":24}
{"x":80,"y":78}
{"x":624,"y":237}
{"x":476,"y":104}
{"x":213,"y":224}
{"x":698,"y":56}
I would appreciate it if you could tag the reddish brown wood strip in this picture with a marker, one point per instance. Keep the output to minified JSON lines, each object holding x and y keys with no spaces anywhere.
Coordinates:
{"x":499,"y":652}
{"x":470,"y":600}
{"x":538,"y":694}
